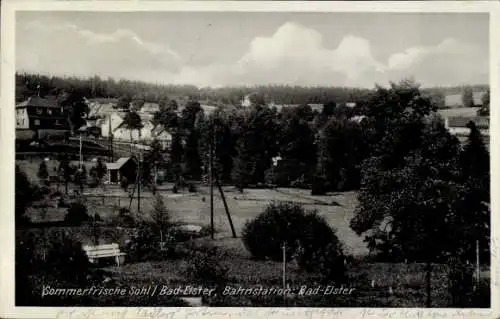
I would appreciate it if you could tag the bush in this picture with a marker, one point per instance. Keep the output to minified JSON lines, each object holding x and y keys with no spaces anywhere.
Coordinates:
{"x":125,"y":218}
{"x":318,"y":186}
{"x":461,"y":283}
{"x":77,"y":214}
{"x":204,"y":267}
{"x":145,"y":244}
{"x":308,"y":238}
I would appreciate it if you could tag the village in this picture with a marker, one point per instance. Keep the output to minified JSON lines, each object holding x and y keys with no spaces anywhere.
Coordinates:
{"x":175,"y":159}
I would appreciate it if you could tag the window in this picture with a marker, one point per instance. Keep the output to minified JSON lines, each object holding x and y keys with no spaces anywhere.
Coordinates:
{"x":39,"y":111}
{"x":37,"y":122}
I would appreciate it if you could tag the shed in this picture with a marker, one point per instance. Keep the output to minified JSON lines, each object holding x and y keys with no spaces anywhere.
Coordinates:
{"x":123,"y":167}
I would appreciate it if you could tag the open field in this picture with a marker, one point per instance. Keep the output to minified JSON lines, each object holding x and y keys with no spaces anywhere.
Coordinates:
{"x":194,"y":208}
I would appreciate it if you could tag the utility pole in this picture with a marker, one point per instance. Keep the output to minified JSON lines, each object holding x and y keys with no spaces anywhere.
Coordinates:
{"x":139,"y":185}
{"x":81,"y":160}
{"x":477,"y":263}
{"x":210,"y":179}
{"x":284,"y":271}
{"x":110,"y":140}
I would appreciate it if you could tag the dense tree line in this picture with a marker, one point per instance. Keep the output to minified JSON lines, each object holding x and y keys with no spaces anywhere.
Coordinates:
{"x":137,"y":92}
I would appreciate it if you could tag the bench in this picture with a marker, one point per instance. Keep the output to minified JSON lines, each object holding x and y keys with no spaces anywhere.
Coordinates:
{"x":104,"y":251}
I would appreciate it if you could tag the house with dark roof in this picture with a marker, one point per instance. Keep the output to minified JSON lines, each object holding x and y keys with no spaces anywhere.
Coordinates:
{"x":455,"y":100}
{"x":458,"y":126}
{"x":44,"y":116}
{"x":40,"y":113}
{"x":125,"y":167}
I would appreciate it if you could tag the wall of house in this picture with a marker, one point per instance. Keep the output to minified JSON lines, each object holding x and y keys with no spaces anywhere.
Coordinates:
{"x":115,"y":119}
{"x":22,"y":120}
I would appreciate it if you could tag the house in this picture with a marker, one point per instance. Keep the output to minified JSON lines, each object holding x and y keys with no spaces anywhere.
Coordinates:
{"x":150,"y":108}
{"x":101,"y":107}
{"x":123,"y":167}
{"x":38,"y":113}
{"x":455,"y":100}
{"x":125,"y":134}
{"x":44,"y":116}
{"x":457,"y":125}
{"x":163,"y":136}
{"x":111,"y":122}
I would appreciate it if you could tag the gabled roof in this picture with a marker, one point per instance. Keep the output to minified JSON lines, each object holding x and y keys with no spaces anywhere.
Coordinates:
{"x":451,"y":100}
{"x":36,"y":101}
{"x":120,"y":162}
{"x":482,"y":122}
{"x":103,"y":100}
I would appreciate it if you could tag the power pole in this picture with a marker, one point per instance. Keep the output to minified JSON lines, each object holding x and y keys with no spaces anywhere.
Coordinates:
{"x":110,"y":141}
{"x":477,"y":263}
{"x":210,"y":179}
{"x":81,"y":161}
{"x":139,"y":185}
{"x":284,"y":271}
{"x":225,"y":205}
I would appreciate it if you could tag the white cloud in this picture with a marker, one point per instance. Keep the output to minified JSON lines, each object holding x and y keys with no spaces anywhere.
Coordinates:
{"x":294,"y":54}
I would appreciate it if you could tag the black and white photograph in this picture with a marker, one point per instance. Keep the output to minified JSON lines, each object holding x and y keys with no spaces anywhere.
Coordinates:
{"x":207,"y":158}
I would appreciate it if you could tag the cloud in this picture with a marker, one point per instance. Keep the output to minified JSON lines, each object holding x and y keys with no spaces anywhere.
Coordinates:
{"x":449,"y":62}
{"x":293,"y":54}
{"x":70,"y":49}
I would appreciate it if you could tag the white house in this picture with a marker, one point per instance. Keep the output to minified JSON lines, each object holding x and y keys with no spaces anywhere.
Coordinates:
{"x":150,"y":107}
{"x":163,"y":136}
{"x":116,"y":119}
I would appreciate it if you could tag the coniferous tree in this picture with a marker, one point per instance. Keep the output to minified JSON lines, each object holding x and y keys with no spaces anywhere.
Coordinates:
{"x":43,"y":173}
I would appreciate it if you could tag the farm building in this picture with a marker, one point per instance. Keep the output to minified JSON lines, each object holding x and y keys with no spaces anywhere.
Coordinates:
{"x":455,"y":100}
{"x":123,"y":167}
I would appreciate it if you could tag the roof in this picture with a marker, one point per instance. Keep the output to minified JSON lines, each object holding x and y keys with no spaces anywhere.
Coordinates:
{"x":119,"y":163}
{"x":482,"y":122}
{"x":459,"y":111}
{"x":36,"y":101}
{"x":103,"y":100}
{"x":456,"y":99}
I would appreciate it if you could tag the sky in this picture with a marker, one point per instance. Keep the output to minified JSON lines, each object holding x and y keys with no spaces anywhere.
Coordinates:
{"x":252,"y":48}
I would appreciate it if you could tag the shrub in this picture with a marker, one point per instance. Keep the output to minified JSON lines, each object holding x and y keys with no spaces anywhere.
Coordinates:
{"x":204,"y":267}
{"x":67,"y":259}
{"x":318,"y":186}
{"x":307,"y":236}
{"x":77,"y":214}
{"x":192,"y":188}
{"x":144,"y":244}
{"x":160,"y":215}
{"x":461,"y":283}
{"x":125,"y":218}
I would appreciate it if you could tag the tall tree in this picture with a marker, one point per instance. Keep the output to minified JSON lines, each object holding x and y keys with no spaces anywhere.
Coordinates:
{"x":485,"y":101}
{"x":153,"y":160}
{"x":23,"y":196}
{"x":65,"y":171}
{"x":43,"y":173}
{"x":296,"y":146}
{"x":132,"y":121}
{"x":124,"y":102}
{"x":257,"y":144}
{"x":75,"y":107}
{"x":468,"y":97}
{"x":410,"y":194}
{"x":475,"y":212}
{"x":176,"y":151}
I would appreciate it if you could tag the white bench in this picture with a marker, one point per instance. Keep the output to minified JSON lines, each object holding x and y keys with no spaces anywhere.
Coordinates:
{"x":104,"y":251}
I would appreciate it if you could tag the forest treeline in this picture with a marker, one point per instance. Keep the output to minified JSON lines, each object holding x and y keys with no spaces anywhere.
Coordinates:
{"x":96,"y":87}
